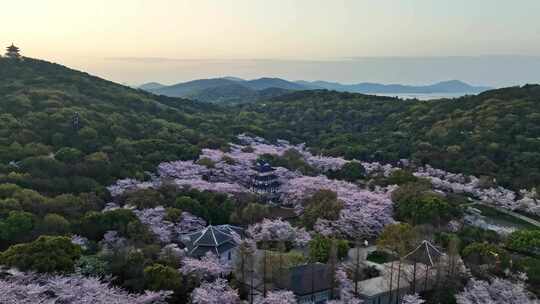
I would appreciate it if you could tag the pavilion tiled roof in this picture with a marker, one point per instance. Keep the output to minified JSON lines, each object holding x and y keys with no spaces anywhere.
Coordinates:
{"x":216,"y":239}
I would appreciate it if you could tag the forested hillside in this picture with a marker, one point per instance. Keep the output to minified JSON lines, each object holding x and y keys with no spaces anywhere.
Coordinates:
{"x":123,"y":132}
{"x":120,"y":131}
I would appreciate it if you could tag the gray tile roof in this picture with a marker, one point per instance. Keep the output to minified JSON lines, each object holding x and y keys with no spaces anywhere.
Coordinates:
{"x":216,"y":239}
{"x":307,"y":279}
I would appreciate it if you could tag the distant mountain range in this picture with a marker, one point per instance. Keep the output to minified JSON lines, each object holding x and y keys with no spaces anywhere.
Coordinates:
{"x":237,"y":90}
{"x":451,"y":86}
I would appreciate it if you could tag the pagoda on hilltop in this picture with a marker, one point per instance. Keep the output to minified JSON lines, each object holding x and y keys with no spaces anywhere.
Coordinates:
{"x":13,"y":52}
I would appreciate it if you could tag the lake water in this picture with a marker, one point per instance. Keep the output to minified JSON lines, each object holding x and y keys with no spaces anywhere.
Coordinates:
{"x":424,"y":96}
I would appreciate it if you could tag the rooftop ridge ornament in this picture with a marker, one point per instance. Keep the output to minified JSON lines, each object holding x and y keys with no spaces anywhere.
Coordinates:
{"x":13,"y":52}
{"x":425,"y":253}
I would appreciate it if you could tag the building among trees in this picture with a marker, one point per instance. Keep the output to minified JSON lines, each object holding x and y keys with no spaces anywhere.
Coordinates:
{"x":417,"y":272}
{"x":310,"y":283}
{"x":13,"y":52}
{"x":220,"y":240}
{"x":265,"y":183}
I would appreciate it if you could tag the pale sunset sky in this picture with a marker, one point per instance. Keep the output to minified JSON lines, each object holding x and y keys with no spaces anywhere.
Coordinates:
{"x":489,"y":42}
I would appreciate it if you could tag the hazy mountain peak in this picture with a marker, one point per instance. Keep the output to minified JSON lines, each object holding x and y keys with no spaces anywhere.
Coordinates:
{"x":233,"y":78}
{"x":150,"y":86}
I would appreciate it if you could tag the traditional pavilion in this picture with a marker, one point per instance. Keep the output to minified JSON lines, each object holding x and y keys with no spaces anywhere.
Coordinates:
{"x":426,"y":254}
{"x":265,"y":182}
{"x":220,"y":240}
{"x":414,"y":274}
{"x":13,"y":52}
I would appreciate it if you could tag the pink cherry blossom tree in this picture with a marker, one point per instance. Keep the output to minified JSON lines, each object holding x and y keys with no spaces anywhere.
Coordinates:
{"x":154,"y":219}
{"x":499,"y":291}
{"x":412,"y":299}
{"x":217,"y":292}
{"x":128,"y":184}
{"x":189,"y":223}
{"x":80,"y":240}
{"x":471,"y":185}
{"x":112,"y":241}
{"x":29,"y":288}
{"x":365,"y":212}
{"x":207,"y":267}
{"x":181,"y":170}
{"x":202,"y":185}
{"x":346,"y":288}
{"x":164,"y":230}
{"x":277,"y":297}
{"x":278,"y":231}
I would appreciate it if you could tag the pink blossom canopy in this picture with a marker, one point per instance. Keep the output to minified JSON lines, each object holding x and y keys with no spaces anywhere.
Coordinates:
{"x":218,"y":292}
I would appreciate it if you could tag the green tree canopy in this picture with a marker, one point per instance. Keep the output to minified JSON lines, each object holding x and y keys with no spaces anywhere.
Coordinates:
{"x":323,"y":204}
{"x":46,"y":254}
{"x":351,"y":171}
{"x":54,"y":224}
{"x":526,"y":241}
{"x":160,"y":277}
{"x":320,"y":246}
{"x":417,"y":206}
{"x":17,"y":226}
{"x":400,"y":238}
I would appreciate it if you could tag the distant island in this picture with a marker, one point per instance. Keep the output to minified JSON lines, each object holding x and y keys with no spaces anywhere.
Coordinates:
{"x":237,"y":90}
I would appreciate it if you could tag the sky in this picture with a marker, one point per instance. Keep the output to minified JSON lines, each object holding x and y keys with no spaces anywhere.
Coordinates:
{"x":489,"y":42}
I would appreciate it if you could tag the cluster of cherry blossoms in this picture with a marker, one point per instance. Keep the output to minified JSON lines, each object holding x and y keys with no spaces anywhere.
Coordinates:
{"x":278,"y":231}
{"x":189,"y":223}
{"x":202,"y":185}
{"x":217,"y":292}
{"x":365,"y":212}
{"x":79,"y":240}
{"x":129,"y":184}
{"x":320,"y":162}
{"x":181,"y":170}
{"x":231,"y":172}
{"x":412,"y":299}
{"x":222,"y":178}
{"x":112,"y":241}
{"x":470,"y":185}
{"x":261,"y":146}
{"x":166,"y":231}
{"x":499,"y":291}
{"x":172,"y":251}
{"x":346,"y":289}
{"x":207,"y":267}
{"x":277,"y":297}
{"x":382,"y":169}
{"x":28,"y":288}
{"x":154,"y":218}
{"x":530,"y":201}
